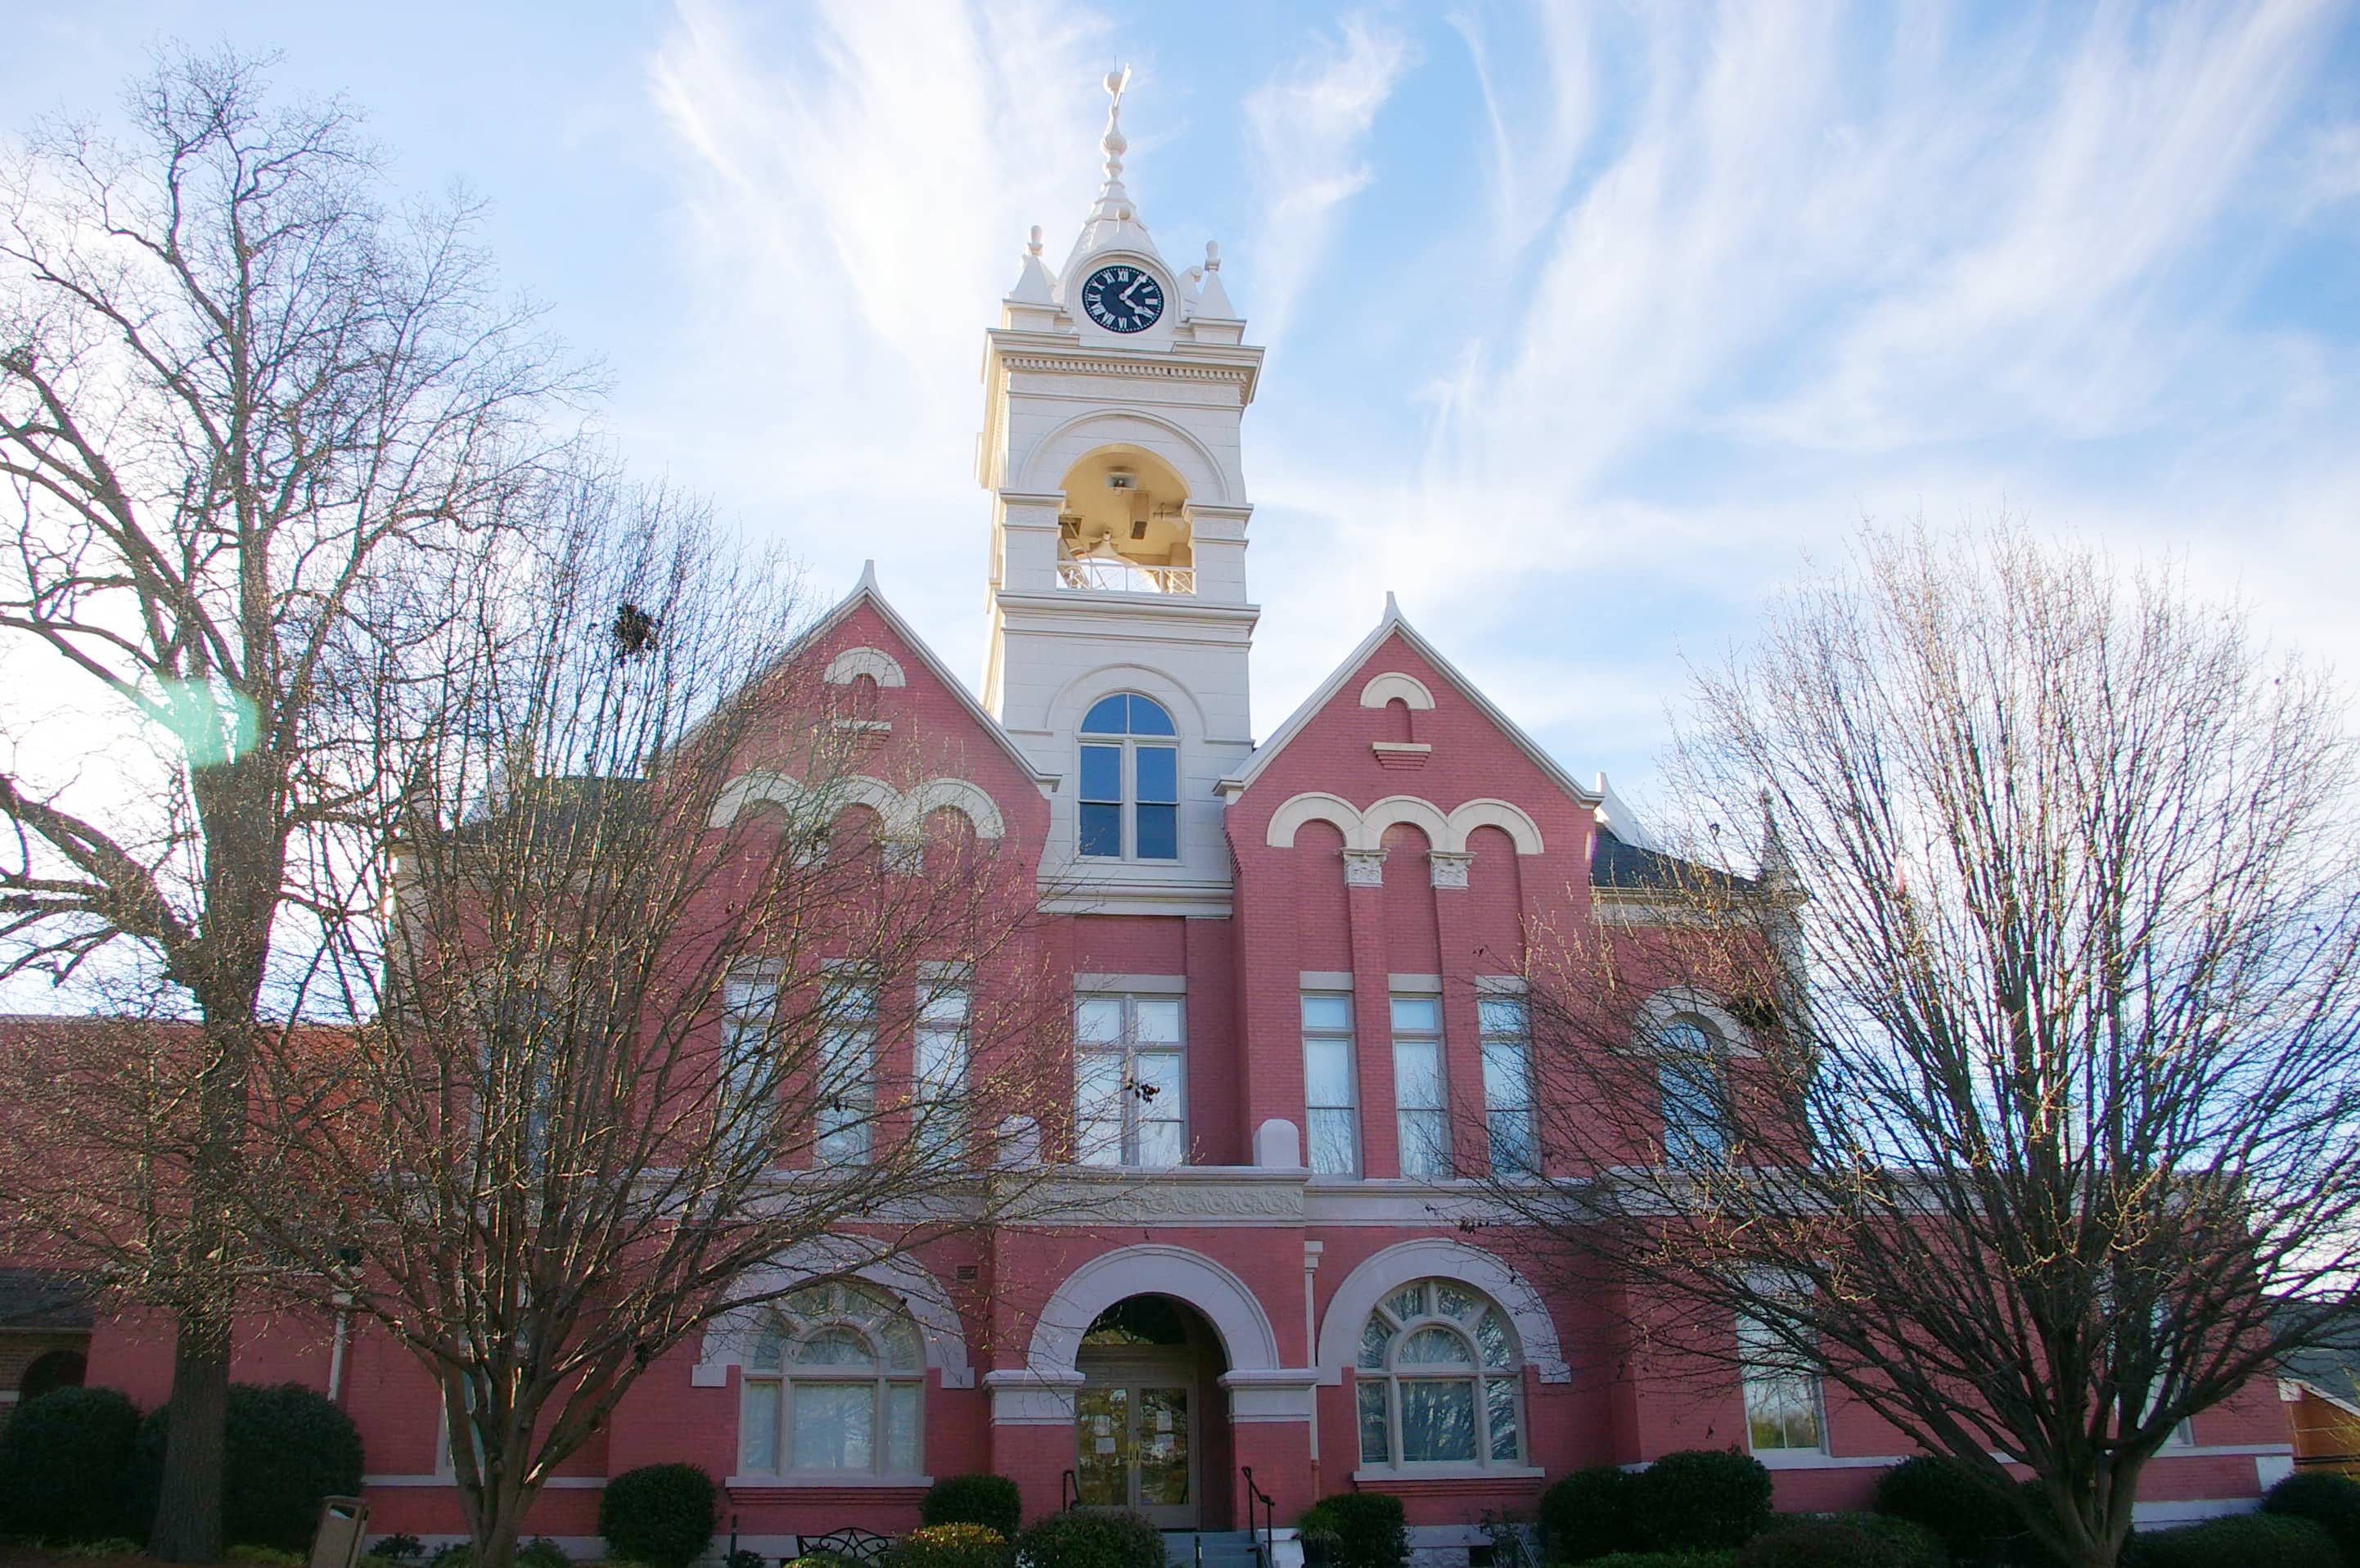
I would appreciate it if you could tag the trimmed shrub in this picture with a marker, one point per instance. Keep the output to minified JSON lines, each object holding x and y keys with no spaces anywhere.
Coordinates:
{"x":2239,"y":1540}
{"x":988,"y":1500}
{"x":741,"y":1557}
{"x":542,"y":1552}
{"x":458,"y":1555}
{"x":1588,"y":1513}
{"x":1370,"y":1528}
{"x":398,"y":1547}
{"x":1666,"y":1560}
{"x":1962,"y":1509}
{"x":1700,"y":1499}
{"x":950,"y":1546}
{"x":62,"y":1458}
{"x":2330,"y":1501}
{"x":659,"y":1514}
{"x":1844,"y":1540}
{"x":284,"y":1447}
{"x":1092,"y":1540}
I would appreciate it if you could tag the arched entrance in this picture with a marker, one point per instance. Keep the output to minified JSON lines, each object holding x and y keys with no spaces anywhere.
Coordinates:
{"x":1148,"y":1431}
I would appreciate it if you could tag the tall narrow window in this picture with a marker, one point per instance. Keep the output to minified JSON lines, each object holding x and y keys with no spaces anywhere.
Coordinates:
{"x":1128,"y":800}
{"x":1782,"y":1396}
{"x":746,"y":1108}
{"x":941,"y":1067}
{"x":1418,"y":1100}
{"x":1330,"y":1108}
{"x":846,"y":1089}
{"x":1129,"y":1086}
{"x":1508,"y":1086}
{"x":1687,"y":1074}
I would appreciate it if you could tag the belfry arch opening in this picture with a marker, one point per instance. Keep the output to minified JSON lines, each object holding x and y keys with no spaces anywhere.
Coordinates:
{"x":1125,"y":526}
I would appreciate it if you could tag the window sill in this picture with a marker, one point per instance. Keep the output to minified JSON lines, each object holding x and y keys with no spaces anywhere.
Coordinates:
{"x":1411,"y":1474}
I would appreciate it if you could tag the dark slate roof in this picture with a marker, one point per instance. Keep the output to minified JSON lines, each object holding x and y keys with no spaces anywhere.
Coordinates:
{"x":2332,"y":1366}
{"x":1616,"y":864}
{"x":38,"y":1298}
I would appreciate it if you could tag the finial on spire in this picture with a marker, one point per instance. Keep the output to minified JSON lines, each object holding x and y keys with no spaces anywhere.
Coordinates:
{"x":1212,"y":255}
{"x":1032,"y":246}
{"x":1112,"y":142}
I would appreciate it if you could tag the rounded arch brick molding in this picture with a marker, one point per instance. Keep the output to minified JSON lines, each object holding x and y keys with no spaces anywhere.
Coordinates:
{"x":940,"y":1327}
{"x":1435,"y":1257}
{"x":1040,"y":1392}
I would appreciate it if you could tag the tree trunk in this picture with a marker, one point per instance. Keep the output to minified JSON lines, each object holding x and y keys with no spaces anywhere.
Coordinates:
{"x":188,"y":1526}
{"x":502,"y":1520}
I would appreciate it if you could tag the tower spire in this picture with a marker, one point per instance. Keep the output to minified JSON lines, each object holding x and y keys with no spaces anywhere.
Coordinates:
{"x":1113,"y":223}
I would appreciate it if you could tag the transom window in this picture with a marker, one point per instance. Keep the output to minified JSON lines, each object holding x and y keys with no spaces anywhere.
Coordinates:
{"x":1129,"y":797}
{"x":1438,"y":1380}
{"x":1128,"y":1091}
{"x":835,"y":1385}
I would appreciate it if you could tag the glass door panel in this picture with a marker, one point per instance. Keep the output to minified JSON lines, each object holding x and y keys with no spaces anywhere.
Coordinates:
{"x":1102,"y":1424}
{"x":1162,"y":1446}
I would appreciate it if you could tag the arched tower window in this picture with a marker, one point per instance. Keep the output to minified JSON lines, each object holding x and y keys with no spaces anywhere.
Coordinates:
{"x":1438,"y":1380}
{"x":834,"y":1386}
{"x":1688,"y":1056}
{"x":1130,"y":798}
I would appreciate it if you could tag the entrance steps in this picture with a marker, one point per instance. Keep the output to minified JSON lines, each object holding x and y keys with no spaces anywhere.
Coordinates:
{"x":1222,"y":1548}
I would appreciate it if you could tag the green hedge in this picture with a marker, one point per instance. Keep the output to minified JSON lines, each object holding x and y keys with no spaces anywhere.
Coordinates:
{"x":1092,"y":1541}
{"x":2330,"y":1501}
{"x":950,"y":1546}
{"x":659,"y":1514}
{"x":988,"y":1500}
{"x":1700,"y":1499}
{"x":2240,"y":1540}
{"x":1370,"y":1530}
{"x":1589,"y":1514}
{"x":62,"y":1461}
{"x":1666,"y":1560}
{"x":1844,"y":1540}
{"x":284,"y":1447}
{"x":1957,"y":1504}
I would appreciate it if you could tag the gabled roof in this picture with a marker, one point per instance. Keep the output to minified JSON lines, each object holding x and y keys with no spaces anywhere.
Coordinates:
{"x":866,"y":592}
{"x":40,"y":1299}
{"x":1395,"y":621}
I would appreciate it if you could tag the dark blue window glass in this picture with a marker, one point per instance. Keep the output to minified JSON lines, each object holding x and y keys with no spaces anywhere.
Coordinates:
{"x":1102,"y":830}
{"x":1148,"y":718}
{"x":1157,"y":770}
{"x":1159,"y":832}
{"x":1102,"y":774}
{"x":1108,"y":715}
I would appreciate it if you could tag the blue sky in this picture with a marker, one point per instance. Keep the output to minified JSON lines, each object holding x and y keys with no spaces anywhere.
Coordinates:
{"x":1587,"y":324}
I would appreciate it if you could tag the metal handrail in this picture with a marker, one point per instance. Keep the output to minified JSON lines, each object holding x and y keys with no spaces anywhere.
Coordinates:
{"x":1266,"y":1549}
{"x":1070,"y":1492}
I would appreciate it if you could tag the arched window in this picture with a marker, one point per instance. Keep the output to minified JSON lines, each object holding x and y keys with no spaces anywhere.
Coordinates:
{"x":1438,"y":1380}
{"x":1689,"y":1053}
{"x":835,"y":1385}
{"x":1130,"y":781}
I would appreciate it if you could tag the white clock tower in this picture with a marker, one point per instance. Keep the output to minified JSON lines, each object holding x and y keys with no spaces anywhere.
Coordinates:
{"x":1114,"y":388}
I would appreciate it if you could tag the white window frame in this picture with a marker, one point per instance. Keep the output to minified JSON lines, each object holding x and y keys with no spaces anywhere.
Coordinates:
{"x":749,"y":1012}
{"x":1690,"y":1050}
{"x":1132,"y":1107}
{"x":1421,"y":1126}
{"x":1129,"y":745}
{"x":1760,"y":1383}
{"x":1508,"y":1094}
{"x":796,"y":1323}
{"x":1385,"y":1383}
{"x":844,"y":1100}
{"x":942,"y":1057}
{"x":1346,"y":1115}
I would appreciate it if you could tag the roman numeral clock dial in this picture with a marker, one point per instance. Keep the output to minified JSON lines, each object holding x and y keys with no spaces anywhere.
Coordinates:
{"x":1122,"y":298}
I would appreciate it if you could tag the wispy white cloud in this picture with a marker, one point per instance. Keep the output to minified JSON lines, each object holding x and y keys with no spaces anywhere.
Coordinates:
{"x":1308,"y":128}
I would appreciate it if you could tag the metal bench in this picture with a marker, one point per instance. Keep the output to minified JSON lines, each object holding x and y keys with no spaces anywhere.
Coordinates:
{"x":856,"y":1545}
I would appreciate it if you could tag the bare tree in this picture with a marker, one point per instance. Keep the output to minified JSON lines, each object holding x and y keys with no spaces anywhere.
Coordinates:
{"x":246,"y":413}
{"x":662,"y":1004}
{"x":2015,"y":1090}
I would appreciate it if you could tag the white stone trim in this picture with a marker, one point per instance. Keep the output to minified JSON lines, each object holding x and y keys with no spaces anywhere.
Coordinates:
{"x":940,"y":1327}
{"x":1446,"y":868}
{"x":1672,"y":1001}
{"x":1325,"y":980}
{"x":1153,"y":1268}
{"x":1382,"y":689}
{"x":1364,"y":868}
{"x":1500,"y":985}
{"x":1071,"y":442}
{"x":1021,"y":1396}
{"x":1414,"y":985}
{"x":1380,"y":1274}
{"x":1365,"y":830}
{"x":1283,"y":1394}
{"x":904,"y":812}
{"x":875,"y":662}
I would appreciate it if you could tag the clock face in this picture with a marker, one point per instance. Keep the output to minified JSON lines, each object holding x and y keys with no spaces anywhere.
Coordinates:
{"x":1122,"y":298}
